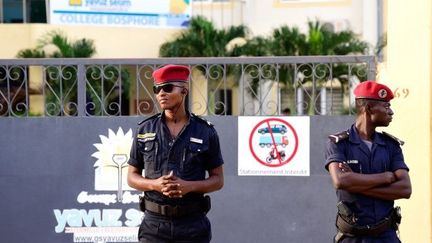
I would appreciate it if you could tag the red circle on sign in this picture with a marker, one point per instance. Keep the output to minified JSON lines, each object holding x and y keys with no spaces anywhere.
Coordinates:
{"x":270,"y":131}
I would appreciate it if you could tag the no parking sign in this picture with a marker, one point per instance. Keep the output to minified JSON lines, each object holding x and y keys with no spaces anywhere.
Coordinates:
{"x":273,"y":146}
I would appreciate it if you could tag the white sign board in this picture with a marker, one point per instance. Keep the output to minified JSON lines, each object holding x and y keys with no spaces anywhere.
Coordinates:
{"x":125,"y":13}
{"x":273,"y":146}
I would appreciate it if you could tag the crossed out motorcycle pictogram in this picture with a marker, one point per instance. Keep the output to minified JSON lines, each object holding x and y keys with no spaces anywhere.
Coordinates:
{"x":274,"y":133}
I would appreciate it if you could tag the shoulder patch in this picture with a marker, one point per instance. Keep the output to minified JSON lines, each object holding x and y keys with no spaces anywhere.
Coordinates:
{"x":202,"y":120}
{"x":336,"y":138}
{"x":148,"y":118}
{"x":394,"y":138}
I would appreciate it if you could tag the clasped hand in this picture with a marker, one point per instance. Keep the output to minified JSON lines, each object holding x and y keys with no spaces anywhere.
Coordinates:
{"x":171,"y":186}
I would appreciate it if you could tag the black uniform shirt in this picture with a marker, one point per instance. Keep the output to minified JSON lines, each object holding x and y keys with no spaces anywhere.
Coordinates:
{"x":195,"y":151}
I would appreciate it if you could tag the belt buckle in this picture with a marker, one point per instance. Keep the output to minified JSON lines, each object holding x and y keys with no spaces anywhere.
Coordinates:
{"x":163,"y":209}
{"x":170,"y":211}
{"x":175,"y":211}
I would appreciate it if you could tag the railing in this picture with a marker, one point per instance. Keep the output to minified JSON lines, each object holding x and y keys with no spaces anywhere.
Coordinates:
{"x":312,"y":85}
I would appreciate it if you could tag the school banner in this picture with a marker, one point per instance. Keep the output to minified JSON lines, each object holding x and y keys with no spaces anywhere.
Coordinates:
{"x":124,"y":13}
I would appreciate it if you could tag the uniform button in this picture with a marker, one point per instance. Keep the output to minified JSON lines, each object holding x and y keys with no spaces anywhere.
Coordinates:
{"x":170,"y":144}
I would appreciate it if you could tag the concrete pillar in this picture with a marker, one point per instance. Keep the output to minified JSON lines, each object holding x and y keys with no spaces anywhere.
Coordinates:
{"x":409,"y":62}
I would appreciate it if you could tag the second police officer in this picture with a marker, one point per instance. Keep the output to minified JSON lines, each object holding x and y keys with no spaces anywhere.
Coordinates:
{"x":368,"y":170}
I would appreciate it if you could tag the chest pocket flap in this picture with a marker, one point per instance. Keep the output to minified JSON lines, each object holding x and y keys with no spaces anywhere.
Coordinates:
{"x":196,"y":148}
{"x":194,"y":153}
{"x":194,"y":157}
{"x":148,"y":148}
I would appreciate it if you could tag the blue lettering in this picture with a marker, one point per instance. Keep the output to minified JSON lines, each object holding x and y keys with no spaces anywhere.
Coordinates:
{"x":82,"y":18}
{"x":73,"y":217}
{"x":132,"y":20}
{"x":96,"y":2}
{"x":61,"y":220}
{"x":93,"y":214}
{"x":76,"y":218}
{"x":111,"y":217}
{"x":133,"y":217}
{"x":120,"y":3}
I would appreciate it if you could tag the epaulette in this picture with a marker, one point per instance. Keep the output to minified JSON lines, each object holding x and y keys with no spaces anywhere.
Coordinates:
{"x":202,"y":120}
{"x":394,"y":138}
{"x":148,"y":118}
{"x":336,"y":138}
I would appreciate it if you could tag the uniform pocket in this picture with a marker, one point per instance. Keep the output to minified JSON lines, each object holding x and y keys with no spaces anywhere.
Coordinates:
{"x":195,"y":229}
{"x":193,"y":156}
{"x":355,"y":166}
{"x":149,"y":151}
{"x":149,"y":229}
{"x":201,"y":230}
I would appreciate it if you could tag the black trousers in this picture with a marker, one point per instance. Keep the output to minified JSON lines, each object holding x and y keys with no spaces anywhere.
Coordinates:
{"x":160,"y":229}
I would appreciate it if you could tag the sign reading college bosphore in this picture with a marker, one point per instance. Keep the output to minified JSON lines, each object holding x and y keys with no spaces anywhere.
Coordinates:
{"x":273,"y":146}
{"x":125,"y":13}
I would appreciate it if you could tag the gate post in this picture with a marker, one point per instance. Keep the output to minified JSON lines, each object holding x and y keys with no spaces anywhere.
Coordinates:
{"x":81,"y":86}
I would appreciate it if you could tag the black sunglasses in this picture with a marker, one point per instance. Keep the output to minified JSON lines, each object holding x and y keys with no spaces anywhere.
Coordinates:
{"x":167,"y":88}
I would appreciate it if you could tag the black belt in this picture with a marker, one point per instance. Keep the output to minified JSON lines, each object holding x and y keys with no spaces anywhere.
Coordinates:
{"x":173,"y":211}
{"x":387,"y":223}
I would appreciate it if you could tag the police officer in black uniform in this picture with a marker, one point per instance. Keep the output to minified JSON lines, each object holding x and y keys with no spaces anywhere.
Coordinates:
{"x":175,"y":149}
{"x":368,"y":170}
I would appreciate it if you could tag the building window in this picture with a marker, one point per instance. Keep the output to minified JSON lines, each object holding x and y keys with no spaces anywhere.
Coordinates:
{"x":13,"y":11}
{"x":36,"y":11}
{"x":23,"y":11}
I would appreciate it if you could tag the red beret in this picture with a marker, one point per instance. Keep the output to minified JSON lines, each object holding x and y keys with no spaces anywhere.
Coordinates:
{"x":171,"y":73}
{"x":373,"y":90}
